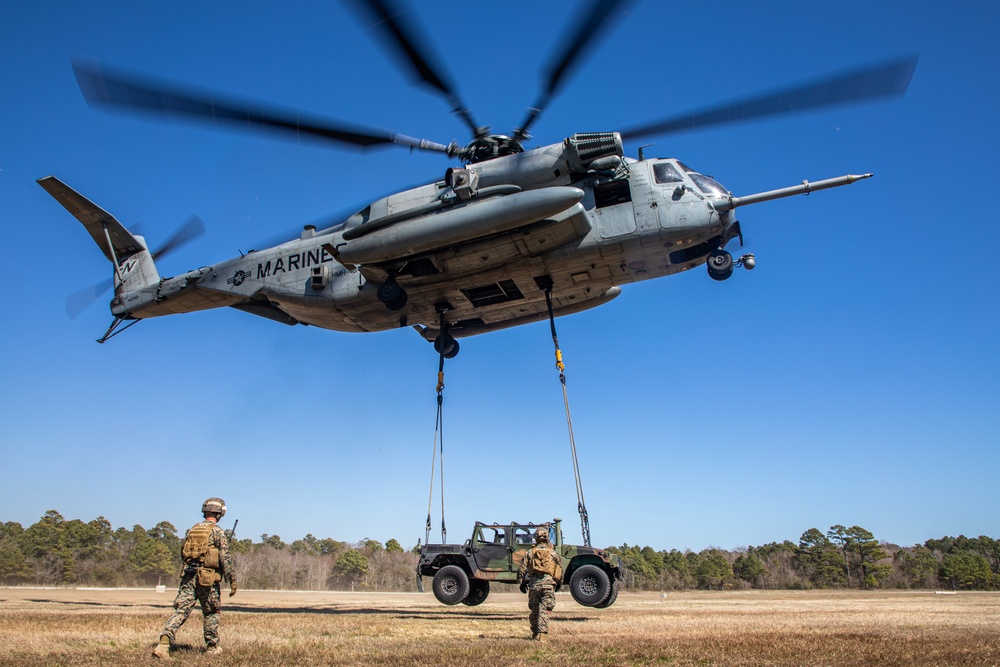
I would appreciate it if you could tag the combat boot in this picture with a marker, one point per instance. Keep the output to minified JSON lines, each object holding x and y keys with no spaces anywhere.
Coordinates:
{"x":214,"y":650}
{"x":162,"y":650}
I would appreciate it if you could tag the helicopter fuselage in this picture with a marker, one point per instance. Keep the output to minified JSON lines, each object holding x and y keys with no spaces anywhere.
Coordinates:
{"x":478,"y":249}
{"x":484,"y":259}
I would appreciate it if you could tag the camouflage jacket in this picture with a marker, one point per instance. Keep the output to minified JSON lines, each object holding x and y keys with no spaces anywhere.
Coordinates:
{"x":525,"y":571}
{"x":219,"y":540}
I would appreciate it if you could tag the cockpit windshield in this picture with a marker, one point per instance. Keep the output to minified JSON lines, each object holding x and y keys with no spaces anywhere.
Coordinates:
{"x":708,"y":185}
{"x":667,"y":172}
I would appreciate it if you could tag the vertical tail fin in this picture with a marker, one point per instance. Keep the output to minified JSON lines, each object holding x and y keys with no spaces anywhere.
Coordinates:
{"x":133,"y":264}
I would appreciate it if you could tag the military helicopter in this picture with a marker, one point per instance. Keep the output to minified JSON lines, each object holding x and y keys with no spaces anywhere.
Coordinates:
{"x":506,"y":237}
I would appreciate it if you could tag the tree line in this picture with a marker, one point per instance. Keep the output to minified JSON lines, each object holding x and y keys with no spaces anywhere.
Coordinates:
{"x":840,"y":558}
{"x":62,"y":552}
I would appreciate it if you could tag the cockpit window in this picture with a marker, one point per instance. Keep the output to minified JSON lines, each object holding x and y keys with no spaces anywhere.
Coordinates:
{"x":708,"y":185}
{"x":664,"y":172}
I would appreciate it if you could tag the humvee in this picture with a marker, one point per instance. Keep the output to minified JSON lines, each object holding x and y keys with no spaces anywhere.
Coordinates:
{"x":463,"y":572}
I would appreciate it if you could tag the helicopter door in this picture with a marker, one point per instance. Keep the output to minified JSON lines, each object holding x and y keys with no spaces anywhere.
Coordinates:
{"x":491,"y":549}
{"x":612,"y":214}
{"x":648,"y":196}
{"x":673,"y":209}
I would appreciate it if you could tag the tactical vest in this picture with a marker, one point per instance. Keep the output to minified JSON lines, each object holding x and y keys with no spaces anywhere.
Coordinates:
{"x":542,"y":561}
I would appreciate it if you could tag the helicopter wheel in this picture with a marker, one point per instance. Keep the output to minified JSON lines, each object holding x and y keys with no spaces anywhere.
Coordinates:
{"x":446,"y":346}
{"x":720,"y":264}
{"x":392,"y":295}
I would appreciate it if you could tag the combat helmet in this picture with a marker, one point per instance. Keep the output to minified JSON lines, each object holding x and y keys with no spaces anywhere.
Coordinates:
{"x":541,"y":534}
{"x":214,"y":506}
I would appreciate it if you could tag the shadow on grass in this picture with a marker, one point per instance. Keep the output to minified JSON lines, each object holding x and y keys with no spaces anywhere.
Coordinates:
{"x":423,"y":614}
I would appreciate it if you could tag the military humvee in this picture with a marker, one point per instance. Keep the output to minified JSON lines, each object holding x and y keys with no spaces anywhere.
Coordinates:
{"x":463,"y":572}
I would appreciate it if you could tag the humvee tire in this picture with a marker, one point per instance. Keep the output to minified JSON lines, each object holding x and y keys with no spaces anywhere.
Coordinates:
{"x":589,"y":585}
{"x":612,"y":596}
{"x":451,"y":585}
{"x":478,"y":592}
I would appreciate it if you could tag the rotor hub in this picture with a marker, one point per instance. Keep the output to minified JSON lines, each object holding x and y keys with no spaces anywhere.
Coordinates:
{"x":490,"y":146}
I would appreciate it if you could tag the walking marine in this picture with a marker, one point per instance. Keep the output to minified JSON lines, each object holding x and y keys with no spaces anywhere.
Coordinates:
{"x":540,"y":575}
{"x":207,"y":562}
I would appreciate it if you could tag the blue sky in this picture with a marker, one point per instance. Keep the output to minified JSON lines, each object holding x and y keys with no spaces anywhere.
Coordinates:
{"x":850,"y":378}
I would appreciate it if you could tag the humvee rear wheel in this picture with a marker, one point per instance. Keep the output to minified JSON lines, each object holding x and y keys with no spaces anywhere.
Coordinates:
{"x":478,"y":592}
{"x":451,"y":585}
{"x":589,"y":585}
{"x":612,"y":596}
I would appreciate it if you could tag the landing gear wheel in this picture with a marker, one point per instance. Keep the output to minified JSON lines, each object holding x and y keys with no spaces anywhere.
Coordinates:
{"x":478,"y":592}
{"x":451,"y":585}
{"x":446,"y":345}
{"x":589,"y":585}
{"x":392,"y":295}
{"x":720,"y":264}
{"x":610,"y":600}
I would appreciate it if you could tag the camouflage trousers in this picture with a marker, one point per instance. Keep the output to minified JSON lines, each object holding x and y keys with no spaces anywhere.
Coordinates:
{"x":211,"y":608}
{"x":541,"y":602}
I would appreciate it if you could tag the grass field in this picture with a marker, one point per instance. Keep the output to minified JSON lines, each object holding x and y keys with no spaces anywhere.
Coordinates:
{"x":119,"y":627}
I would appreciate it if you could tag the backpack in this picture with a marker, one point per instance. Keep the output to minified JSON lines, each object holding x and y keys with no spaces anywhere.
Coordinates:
{"x":197,"y":543}
{"x":542,"y":561}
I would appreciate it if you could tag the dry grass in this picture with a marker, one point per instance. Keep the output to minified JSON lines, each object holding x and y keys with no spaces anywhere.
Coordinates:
{"x":84,"y":627}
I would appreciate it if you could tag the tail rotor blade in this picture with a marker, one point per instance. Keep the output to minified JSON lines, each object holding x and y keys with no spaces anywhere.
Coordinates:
{"x":77,"y":302}
{"x":191,"y":230}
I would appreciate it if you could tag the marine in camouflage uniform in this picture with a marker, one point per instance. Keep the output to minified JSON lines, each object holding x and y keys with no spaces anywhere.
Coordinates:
{"x":541,"y":586}
{"x":201,"y":578}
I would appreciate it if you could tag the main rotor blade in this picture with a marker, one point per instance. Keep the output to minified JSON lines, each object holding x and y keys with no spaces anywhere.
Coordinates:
{"x":102,"y":87}
{"x":413,"y":52}
{"x":595,"y":21}
{"x":885,"y":80}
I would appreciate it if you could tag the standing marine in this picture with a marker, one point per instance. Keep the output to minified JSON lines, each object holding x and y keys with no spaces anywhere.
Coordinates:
{"x":540,"y":575}
{"x":207,"y":562}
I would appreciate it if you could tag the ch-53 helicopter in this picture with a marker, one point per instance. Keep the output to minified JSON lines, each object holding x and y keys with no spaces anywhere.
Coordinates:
{"x":509,"y":237}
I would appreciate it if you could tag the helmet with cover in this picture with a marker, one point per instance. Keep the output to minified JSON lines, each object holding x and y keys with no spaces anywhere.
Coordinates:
{"x":214,"y":506}
{"x":541,"y":534}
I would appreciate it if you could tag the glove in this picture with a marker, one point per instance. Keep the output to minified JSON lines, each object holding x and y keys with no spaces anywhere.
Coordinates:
{"x":524,"y":587}
{"x":557,"y":586}
{"x":232,"y":587}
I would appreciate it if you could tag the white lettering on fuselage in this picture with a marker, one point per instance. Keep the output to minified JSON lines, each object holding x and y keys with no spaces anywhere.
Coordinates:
{"x":295,"y":262}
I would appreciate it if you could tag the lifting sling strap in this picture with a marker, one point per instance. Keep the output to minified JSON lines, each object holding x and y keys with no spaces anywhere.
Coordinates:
{"x":438,"y":431}
{"x":580,"y":503}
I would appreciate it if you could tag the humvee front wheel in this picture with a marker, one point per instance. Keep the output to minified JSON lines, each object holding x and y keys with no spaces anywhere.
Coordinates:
{"x":451,"y":585}
{"x":589,"y":585}
{"x":478,"y":592}
{"x":612,"y":596}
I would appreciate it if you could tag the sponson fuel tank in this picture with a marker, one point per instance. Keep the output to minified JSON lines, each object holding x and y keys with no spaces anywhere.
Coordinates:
{"x":458,"y":224}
